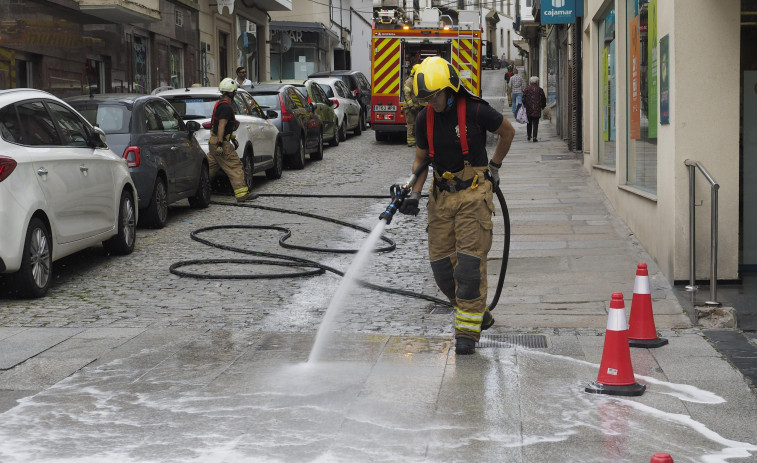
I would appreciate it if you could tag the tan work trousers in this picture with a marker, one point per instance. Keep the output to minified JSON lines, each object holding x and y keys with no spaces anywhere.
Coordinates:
{"x":459,"y":239}
{"x":229,"y":162}
{"x":410,"y":116}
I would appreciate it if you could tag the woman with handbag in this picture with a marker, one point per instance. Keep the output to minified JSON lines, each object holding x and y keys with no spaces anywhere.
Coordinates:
{"x":534,"y":101}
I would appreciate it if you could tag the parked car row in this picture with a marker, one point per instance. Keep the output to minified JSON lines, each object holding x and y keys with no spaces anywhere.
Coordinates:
{"x":85,"y":170}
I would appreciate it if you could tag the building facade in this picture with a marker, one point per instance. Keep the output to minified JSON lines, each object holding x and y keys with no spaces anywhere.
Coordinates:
{"x":102,"y":46}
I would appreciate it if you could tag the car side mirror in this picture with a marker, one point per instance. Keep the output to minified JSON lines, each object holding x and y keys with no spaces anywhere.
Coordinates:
{"x":98,"y":139}
{"x":271,"y":114}
{"x":192,"y":126}
{"x":313,"y":105}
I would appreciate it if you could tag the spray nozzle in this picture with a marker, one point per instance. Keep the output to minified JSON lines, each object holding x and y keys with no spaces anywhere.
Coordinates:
{"x":398,"y":193}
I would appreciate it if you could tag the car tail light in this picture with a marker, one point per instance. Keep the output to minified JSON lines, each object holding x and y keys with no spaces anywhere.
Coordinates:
{"x":7,"y":165}
{"x":206,"y":125}
{"x":356,"y":92}
{"x":131,"y":154}
{"x":286,"y":116}
{"x":336,"y":103}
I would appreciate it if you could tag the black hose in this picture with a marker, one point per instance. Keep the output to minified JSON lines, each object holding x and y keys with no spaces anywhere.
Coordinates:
{"x":315,"y":268}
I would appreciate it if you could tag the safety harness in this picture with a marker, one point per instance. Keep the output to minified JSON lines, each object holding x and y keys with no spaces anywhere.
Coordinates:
{"x":460,"y":104}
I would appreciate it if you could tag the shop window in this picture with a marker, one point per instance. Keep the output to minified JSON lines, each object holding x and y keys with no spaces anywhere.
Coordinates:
{"x":141,"y":64}
{"x":176,"y":65}
{"x":642,"y":94}
{"x":607,"y":90}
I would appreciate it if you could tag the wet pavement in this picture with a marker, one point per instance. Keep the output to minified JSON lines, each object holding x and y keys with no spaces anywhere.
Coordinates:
{"x":126,"y":362}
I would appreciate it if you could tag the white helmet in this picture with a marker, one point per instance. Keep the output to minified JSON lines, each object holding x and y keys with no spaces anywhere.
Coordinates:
{"x":228,"y":85}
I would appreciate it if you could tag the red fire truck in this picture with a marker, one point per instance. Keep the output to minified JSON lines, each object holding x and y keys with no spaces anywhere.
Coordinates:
{"x":397,"y":46}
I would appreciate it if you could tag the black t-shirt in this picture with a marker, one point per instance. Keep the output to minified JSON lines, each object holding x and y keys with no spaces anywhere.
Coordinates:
{"x":448,"y":156}
{"x":224,"y":110}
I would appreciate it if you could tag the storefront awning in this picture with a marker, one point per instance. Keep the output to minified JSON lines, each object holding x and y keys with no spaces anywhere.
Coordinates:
{"x":304,"y":27}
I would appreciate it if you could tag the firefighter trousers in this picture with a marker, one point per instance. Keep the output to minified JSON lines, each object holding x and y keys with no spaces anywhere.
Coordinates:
{"x":410,"y":116}
{"x":229,"y":162}
{"x":459,"y":238}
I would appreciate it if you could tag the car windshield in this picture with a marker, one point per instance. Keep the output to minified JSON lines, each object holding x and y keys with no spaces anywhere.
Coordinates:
{"x":193,"y":107}
{"x":111,"y":118}
{"x":327,"y":88}
{"x":268,"y":100}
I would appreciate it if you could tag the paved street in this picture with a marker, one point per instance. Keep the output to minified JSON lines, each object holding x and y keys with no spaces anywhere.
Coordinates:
{"x":127,"y":362}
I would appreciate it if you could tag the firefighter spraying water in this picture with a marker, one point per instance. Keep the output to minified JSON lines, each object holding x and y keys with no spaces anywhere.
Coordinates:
{"x":451,"y":136}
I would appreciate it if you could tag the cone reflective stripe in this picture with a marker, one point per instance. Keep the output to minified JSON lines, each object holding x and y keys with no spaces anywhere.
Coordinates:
{"x":641,"y":328}
{"x":615,"y":370}
{"x":661,"y":458}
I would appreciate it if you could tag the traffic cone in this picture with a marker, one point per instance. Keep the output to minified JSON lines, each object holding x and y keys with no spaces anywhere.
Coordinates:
{"x":615,"y":371}
{"x":641,"y":329}
{"x":661,"y":458}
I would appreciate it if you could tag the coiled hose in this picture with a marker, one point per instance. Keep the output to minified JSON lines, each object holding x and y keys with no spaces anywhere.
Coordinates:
{"x":315,"y":268}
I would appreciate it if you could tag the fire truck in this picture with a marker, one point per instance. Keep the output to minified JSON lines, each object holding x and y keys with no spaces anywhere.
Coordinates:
{"x":398,"y":44}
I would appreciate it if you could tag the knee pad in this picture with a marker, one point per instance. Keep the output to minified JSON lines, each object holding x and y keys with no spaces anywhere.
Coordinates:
{"x":468,"y":276}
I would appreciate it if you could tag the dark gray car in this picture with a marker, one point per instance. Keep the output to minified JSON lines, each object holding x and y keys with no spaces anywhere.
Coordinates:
{"x":165,"y":161}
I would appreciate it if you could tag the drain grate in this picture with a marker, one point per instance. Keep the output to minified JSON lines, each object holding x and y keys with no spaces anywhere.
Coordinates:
{"x":442,"y":309}
{"x":531,"y":341}
{"x":557,"y":157}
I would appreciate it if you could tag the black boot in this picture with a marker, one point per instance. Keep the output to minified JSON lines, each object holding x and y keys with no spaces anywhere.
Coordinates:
{"x":488,"y":321}
{"x":464,"y":346}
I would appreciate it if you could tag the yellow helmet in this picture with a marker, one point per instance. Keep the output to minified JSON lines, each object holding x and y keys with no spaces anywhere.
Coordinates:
{"x":434,"y":74}
{"x":228,"y":85}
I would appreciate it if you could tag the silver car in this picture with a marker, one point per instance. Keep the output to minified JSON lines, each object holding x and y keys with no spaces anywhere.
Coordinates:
{"x":260,"y":146}
{"x":347,"y":108}
{"x":61,"y":189}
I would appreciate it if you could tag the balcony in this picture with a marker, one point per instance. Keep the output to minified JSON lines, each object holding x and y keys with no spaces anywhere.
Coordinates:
{"x":122,"y":11}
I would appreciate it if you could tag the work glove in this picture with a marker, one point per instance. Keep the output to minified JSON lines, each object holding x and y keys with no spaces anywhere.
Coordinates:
{"x":494,"y":172}
{"x":410,"y":204}
{"x":219,"y":148}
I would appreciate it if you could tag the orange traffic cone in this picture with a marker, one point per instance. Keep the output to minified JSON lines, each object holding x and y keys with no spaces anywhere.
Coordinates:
{"x":615,"y":371}
{"x":661,"y":458}
{"x":641,"y":329}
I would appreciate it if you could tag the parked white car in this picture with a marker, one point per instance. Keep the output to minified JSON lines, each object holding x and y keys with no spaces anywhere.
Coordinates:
{"x":260,"y":146}
{"x":347,"y":108}
{"x":61,"y":189}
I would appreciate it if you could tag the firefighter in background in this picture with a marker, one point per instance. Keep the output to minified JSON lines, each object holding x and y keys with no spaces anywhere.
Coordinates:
{"x":411,"y":105}
{"x":451,"y":130}
{"x":222,"y":153}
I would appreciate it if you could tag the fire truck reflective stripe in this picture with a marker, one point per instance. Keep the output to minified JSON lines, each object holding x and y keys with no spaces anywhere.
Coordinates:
{"x":386,"y":66}
{"x":464,"y":60}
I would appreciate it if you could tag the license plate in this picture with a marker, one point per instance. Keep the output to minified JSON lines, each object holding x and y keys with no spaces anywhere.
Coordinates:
{"x":384,"y":108}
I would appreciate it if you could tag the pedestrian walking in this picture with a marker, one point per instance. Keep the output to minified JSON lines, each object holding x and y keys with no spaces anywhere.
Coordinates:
{"x":411,"y":106}
{"x":508,"y":74}
{"x":222,"y":153}
{"x":516,"y":90}
{"x":451,"y":133}
{"x":534,"y":100}
{"x":242,"y":79}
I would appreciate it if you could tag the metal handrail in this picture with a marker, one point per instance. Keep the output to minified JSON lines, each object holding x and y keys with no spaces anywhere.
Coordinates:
{"x":714,"y":187}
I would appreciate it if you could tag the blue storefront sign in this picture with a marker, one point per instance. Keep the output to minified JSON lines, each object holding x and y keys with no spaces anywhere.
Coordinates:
{"x":559,"y":11}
